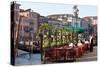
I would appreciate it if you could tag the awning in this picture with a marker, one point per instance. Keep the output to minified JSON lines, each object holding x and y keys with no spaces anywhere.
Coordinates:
{"x":77,"y":29}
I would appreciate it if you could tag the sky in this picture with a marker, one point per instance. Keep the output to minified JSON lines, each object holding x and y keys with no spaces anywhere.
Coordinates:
{"x":46,"y":9}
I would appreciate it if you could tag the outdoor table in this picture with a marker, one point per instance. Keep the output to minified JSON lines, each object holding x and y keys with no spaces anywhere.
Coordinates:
{"x":76,"y":51}
{"x":52,"y":54}
{"x":60,"y":53}
{"x":87,"y":46}
{"x":66,"y":53}
{"x":47,"y":54}
{"x":80,"y":50}
{"x":70,"y":53}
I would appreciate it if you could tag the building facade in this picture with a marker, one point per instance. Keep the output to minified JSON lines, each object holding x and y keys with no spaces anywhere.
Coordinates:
{"x":64,"y":18}
{"x":29,"y":24}
{"x":92,"y":20}
{"x":69,"y":20}
{"x":55,"y":23}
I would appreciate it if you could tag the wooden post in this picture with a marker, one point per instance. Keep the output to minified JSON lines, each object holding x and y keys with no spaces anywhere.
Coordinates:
{"x":17,"y":38}
{"x":12,"y":33}
{"x":41,"y":40}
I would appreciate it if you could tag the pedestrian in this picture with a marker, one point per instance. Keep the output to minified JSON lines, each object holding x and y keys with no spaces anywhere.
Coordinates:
{"x":91,"y":44}
{"x":87,"y":44}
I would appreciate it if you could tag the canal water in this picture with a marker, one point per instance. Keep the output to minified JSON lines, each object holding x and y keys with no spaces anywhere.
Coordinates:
{"x":23,"y":58}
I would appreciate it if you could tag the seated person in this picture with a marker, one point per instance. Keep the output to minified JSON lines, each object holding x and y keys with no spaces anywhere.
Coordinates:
{"x":86,"y":41}
{"x":79,"y":43}
{"x":71,"y":45}
{"x":87,"y":44}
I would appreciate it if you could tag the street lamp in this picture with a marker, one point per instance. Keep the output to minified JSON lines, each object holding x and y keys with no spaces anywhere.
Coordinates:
{"x":75,"y":15}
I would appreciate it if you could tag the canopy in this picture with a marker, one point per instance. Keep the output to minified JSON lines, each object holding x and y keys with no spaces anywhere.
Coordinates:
{"x":77,"y":29}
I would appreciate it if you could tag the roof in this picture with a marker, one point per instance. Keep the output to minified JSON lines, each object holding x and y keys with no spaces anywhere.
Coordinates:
{"x":60,"y":15}
{"x":22,"y":10}
{"x":90,"y":17}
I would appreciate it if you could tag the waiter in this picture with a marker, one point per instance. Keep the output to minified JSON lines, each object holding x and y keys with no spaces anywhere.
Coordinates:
{"x":91,"y":44}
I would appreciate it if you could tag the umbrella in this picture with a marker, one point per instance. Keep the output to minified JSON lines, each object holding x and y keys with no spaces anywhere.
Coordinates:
{"x":77,"y":29}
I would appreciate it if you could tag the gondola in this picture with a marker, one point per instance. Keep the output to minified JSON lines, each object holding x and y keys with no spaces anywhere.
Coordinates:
{"x":27,"y":48}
